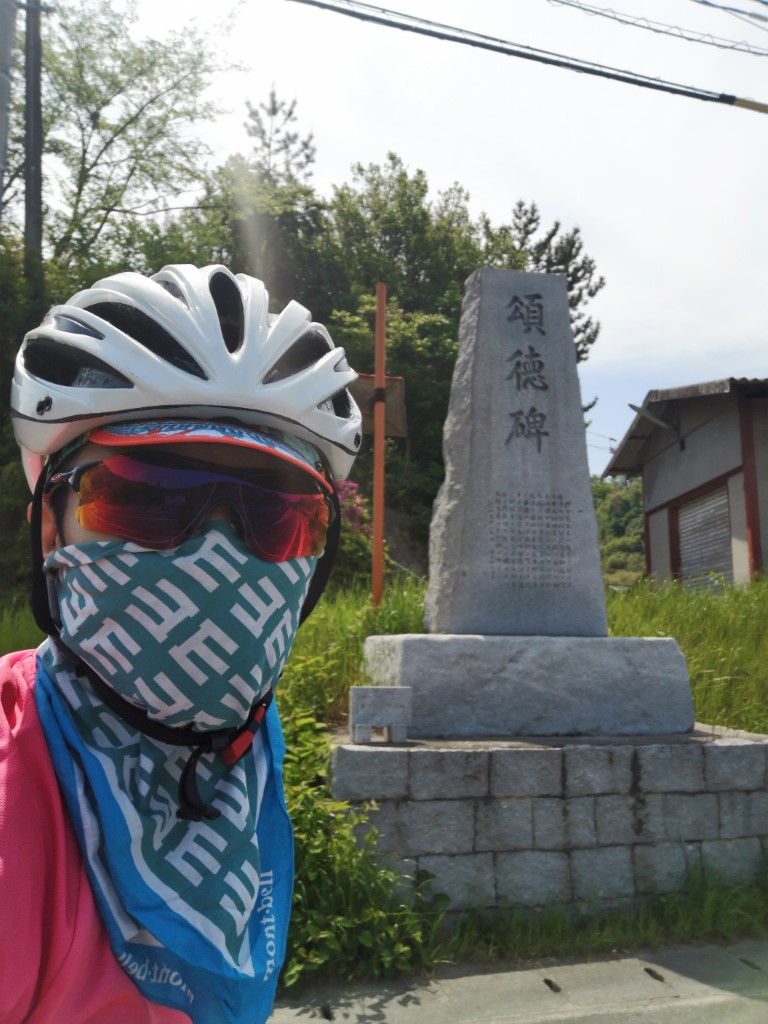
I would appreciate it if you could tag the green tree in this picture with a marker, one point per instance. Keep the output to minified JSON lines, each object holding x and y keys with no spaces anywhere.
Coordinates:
{"x":385,"y":226}
{"x":619,"y":510}
{"x":282,"y":156}
{"x":421,"y":347}
{"x":551,"y":252}
{"x":260,"y":215}
{"x":116,"y":139}
{"x":117,"y":113}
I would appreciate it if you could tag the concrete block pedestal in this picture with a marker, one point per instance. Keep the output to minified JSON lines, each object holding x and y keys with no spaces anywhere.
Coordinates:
{"x":464,"y":685}
{"x":533,"y":821}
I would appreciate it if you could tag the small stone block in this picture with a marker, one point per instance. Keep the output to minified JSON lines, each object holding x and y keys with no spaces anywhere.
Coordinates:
{"x":743,"y":814}
{"x":369,"y":773}
{"x":670,"y":768}
{"x":732,"y":766}
{"x":736,"y":861}
{"x":603,"y":873}
{"x":690,"y":817}
{"x":448,"y":774}
{"x":379,"y":707}
{"x":564,"y":824}
{"x":550,"y":825}
{"x":664,"y":868}
{"x":622,"y":820}
{"x":581,"y":827}
{"x":504,"y":825}
{"x":593,"y":770}
{"x":383,"y":818}
{"x":520,"y":771}
{"x":467,"y":880}
{"x":435,"y":826}
{"x":397,"y":733}
{"x":533,"y":878}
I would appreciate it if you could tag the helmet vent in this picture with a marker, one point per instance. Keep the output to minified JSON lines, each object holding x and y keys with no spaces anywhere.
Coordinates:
{"x":173,"y":289}
{"x":229,"y":306}
{"x":308,"y":350}
{"x":147,"y":332}
{"x":340,"y":404}
{"x":55,"y":363}
{"x":66,"y":323}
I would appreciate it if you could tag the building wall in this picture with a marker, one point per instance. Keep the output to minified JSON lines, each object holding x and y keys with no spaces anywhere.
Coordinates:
{"x":760,"y":428}
{"x":739,"y":545}
{"x":713,"y":451}
{"x":711,"y":429}
{"x":660,"y":560}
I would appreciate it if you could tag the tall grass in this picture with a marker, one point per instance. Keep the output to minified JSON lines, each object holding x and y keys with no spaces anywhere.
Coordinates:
{"x":722,"y":633}
{"x":328,"y":651}
{"x":706,"y":911}
{"x":18,"y":630}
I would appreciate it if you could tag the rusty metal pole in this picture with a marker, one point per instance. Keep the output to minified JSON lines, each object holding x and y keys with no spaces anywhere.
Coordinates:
{"x":379,"y":410}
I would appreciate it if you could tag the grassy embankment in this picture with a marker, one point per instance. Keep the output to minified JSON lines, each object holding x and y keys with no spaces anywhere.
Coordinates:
{"x":351,"y":918}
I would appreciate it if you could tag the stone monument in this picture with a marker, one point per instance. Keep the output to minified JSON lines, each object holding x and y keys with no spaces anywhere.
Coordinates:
{"x":530,"y":759}
{"x":513,"y":541}
{"x":517,"y":635}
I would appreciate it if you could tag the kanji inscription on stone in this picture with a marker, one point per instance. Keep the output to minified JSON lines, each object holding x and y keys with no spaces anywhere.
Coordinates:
{"x":530,"y":539}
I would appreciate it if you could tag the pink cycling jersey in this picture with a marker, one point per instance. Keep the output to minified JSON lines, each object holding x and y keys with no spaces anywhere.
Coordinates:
{"x":56,"y":966}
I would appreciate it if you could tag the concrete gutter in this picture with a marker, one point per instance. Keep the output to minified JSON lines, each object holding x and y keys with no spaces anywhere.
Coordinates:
{"x":690,"y":985}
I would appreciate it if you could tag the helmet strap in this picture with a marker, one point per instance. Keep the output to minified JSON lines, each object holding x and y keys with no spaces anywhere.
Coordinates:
{"x":325,"y":562}
{"x":231,"y":743}
{"x":43,"y":599}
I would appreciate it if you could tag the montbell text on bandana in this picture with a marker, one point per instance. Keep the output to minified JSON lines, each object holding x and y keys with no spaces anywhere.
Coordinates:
{"x":196,"y":912}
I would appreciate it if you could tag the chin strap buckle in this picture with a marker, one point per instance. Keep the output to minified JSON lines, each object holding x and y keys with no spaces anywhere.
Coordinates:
{"x":246,"y":736}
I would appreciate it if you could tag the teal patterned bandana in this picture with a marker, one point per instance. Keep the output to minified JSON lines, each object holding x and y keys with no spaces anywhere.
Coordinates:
{"x":196,"y":912}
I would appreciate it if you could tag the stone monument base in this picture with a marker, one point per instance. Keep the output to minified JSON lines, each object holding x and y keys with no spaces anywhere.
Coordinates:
{"x":568,"y":821}
{"x":501,"y":686}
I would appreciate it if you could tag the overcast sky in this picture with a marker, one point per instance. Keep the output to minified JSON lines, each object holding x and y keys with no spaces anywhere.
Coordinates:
{"x":671,"y":194}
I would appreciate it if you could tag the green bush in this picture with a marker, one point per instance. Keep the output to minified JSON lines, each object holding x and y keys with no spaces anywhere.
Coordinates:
{"x":351,"y":916}
{"x":18,"y":629}
{"x":328,"y":652}
{"x":15,"y":549}
{"x":352,"y":567}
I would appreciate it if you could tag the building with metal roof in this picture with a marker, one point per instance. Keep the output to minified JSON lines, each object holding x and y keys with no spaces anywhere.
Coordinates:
{"x":702,"y":452}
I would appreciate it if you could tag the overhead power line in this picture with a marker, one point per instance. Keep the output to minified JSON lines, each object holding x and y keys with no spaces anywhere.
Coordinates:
{"x":738,"y":11}
{"x":640,"y":21}
{"x":436,"y":30}
{"x":732,"y":10}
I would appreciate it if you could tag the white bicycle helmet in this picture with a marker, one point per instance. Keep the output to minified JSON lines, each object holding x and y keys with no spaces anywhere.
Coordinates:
{"x":184,"y":343}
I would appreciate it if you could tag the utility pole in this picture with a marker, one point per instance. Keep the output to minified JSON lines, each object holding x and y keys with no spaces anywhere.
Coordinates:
{"x":379,"y":440}
{"x":33,"y":154}
{"x":7,"y":40}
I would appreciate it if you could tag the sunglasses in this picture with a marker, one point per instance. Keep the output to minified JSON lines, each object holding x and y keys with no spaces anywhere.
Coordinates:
{"x":160,"y":501}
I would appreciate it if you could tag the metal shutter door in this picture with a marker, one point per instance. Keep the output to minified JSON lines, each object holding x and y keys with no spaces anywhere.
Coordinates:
{"x":705,"y":537}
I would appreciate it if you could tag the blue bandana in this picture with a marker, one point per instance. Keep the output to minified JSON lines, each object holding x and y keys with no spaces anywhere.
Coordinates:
{"x":196,"y":912}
